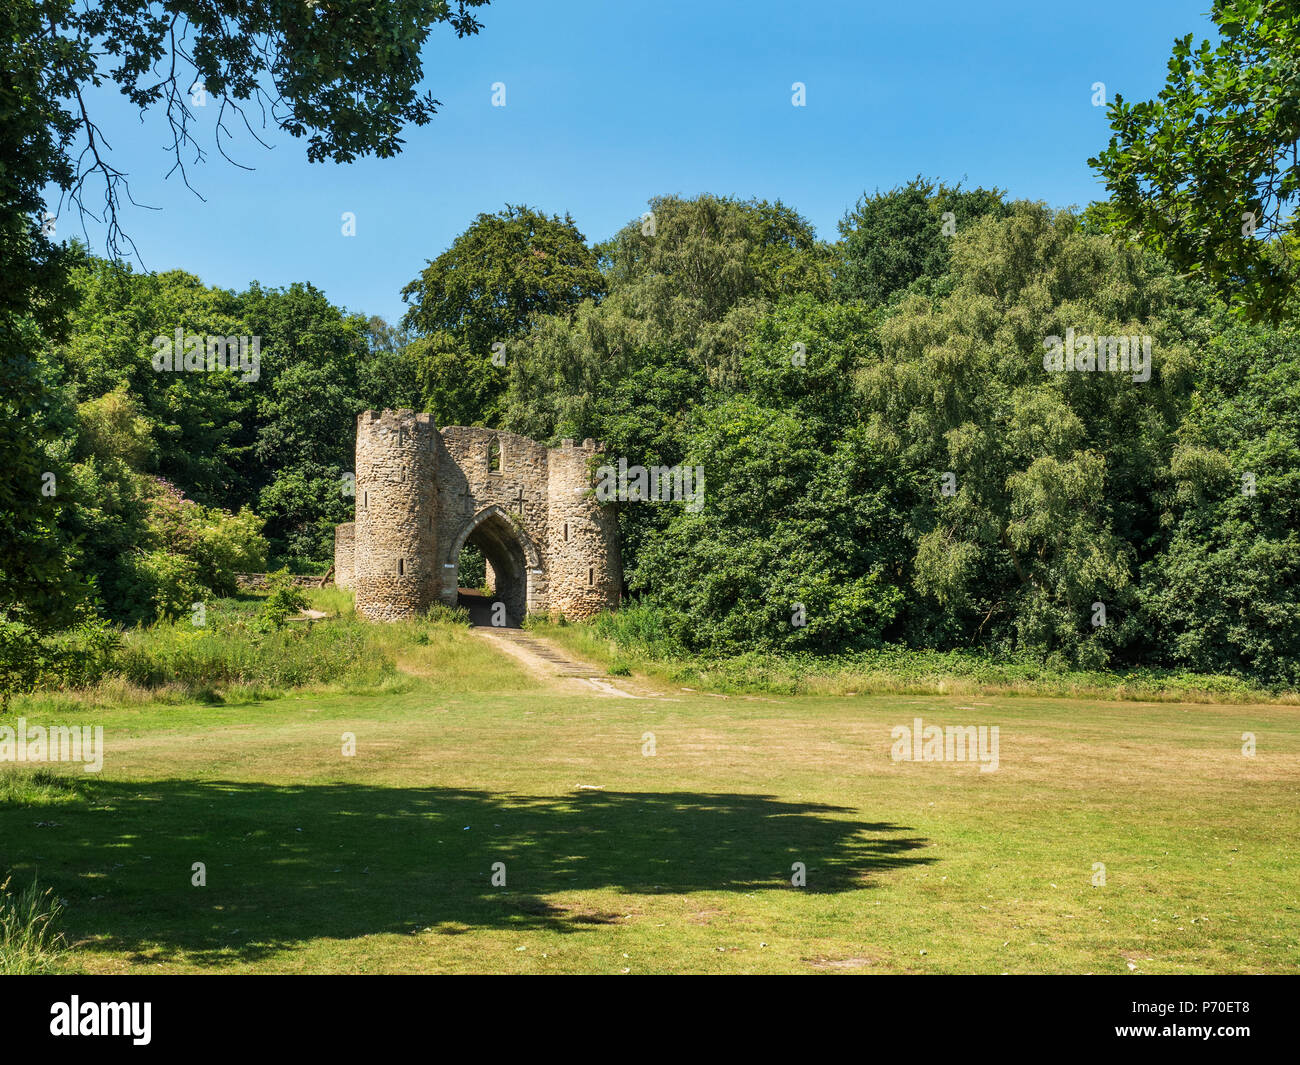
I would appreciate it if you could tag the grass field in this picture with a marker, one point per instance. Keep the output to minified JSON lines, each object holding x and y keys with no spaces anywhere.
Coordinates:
{"x":680,"y":861}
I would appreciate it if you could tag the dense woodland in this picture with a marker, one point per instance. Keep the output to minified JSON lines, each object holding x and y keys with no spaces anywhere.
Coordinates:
{"x":888,"y":460}
{"x":826,"y":389}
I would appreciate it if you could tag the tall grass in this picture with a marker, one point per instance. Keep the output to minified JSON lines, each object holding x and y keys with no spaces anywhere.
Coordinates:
{"x":232,"y":657}
{"x":443,"y":650}
{"x":40,"y":787}
{"x":212,"y":658}
{"x":29,"y":943}
{"x":636,"y":638}
{"x":332,"y":600}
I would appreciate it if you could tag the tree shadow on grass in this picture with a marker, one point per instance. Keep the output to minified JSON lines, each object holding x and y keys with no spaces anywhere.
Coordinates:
{"x":285,"y":864}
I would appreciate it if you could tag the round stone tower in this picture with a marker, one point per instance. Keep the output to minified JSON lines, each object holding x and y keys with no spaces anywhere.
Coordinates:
{"x":395,"y":535}
{"x":586,"y":570}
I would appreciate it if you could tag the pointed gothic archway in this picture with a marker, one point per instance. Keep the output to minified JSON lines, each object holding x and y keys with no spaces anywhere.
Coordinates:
{"x":514,"y":567}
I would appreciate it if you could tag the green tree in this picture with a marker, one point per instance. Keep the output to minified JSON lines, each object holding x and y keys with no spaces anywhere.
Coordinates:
{"x":506,"y":270}
{"x":1223,"y":595}
{"x":342,"y":77}
{"x":106,"y":446}
{"x":1031,"y":489}
{"x":696,"y":275}
{"x":306,"y":414}
{"x":892,"y":240}
{"x":203,"y":422}
{"x":1207,"y":173}
{"x":687,"y":284}
{"x":34,"y":295}
{"x":387,"y":374}
{"x":502,"y":271}
{"x":797,"y":546}
{"x":459,"y":386}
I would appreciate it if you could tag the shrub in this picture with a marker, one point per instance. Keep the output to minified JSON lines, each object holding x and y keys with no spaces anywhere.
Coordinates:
{"x":283,"y":601}
{"x":227,"y":544}
{"x":67,"y":659}
{"x":164,"y":584}
{"x":186,"y":553}
{"x":20,"y":647}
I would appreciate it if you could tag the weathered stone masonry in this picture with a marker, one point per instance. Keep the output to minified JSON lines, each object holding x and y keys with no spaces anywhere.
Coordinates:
{"x":343,"y":554}
{"x":423,"y":494}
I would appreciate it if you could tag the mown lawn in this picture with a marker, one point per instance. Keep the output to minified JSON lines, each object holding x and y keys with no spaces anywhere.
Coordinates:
{"x":617,"y":861}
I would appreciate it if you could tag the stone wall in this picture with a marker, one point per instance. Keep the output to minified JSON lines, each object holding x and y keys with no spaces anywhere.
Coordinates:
{"x":422,"y":494}
{"x":344,"y":542}
{"x":258,"y":581}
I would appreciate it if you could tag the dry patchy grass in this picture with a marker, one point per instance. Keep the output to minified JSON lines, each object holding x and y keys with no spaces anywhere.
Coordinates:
{"x":617,"y":861}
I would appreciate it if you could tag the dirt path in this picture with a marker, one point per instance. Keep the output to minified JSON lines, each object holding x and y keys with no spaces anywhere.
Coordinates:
{"x":557,"y":668}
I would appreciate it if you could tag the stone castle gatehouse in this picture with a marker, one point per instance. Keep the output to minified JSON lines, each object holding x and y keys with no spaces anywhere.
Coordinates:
{"x":424,"y":493}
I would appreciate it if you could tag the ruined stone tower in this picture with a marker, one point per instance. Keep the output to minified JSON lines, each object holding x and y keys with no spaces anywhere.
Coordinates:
{"x":423,"y":494}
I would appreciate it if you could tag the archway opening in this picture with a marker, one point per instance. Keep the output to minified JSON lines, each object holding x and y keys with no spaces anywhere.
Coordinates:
{"x":499,"y":592}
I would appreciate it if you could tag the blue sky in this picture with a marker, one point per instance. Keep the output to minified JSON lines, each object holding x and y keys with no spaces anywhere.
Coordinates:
{"x":610,"y":102}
